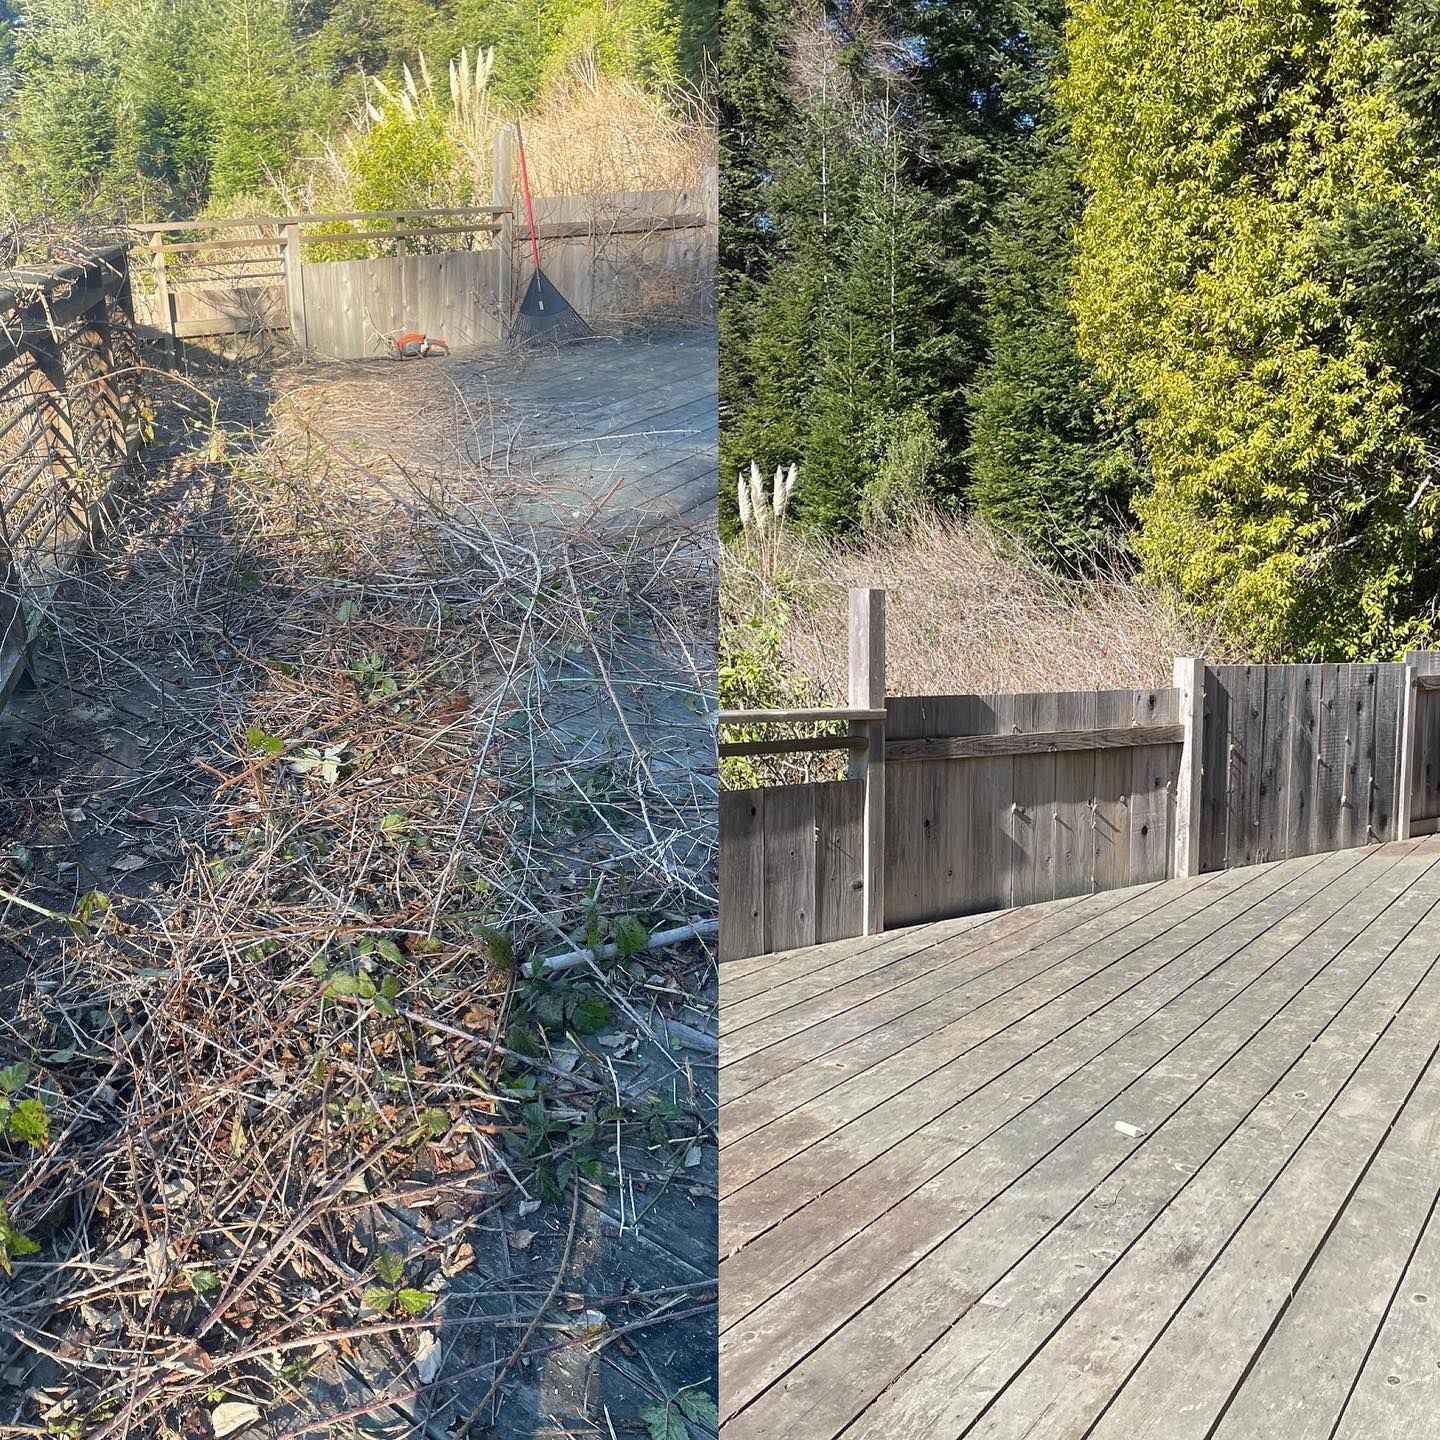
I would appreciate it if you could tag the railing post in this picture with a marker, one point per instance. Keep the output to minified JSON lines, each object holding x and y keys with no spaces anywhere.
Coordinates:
{"x":1405,"y":749}
{"x":162,"y":295}
{"x":867,"y":692}
{"x":293,"y":263}
{"x":1190,"y":682}
{"x":502,"y":190}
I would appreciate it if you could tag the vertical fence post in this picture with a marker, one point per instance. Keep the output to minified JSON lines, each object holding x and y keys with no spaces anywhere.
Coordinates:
{"x":867,"y":692}
{"x":502,"y":191}
{"x":294,"y":266}
{"x":1190,"y":682}
{"x":710,"y":208}
{"x":1405,"y":749}
{"x":163,"y":301}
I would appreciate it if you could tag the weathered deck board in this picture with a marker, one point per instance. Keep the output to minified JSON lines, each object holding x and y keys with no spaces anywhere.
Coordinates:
{"x":941,"y":1232}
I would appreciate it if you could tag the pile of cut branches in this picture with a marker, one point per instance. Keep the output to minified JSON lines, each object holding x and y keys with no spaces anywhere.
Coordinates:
{"x":420,"y":746}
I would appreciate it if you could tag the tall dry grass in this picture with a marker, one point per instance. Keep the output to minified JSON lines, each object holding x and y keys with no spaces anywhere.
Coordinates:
{"x":591,"y":135}
{"x":967,"y":613}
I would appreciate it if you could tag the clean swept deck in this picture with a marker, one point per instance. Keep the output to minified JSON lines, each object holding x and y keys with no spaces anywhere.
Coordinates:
{"x":1159,"y":1162}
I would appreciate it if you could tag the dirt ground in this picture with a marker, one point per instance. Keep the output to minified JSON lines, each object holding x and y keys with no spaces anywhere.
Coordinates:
{"x":619,"y":430}
{"x":517,"y":699}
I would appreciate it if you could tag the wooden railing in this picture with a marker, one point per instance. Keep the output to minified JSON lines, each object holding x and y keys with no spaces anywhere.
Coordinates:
{"x":961,"y":803}
{"x":273,"y":259}
{"x":68,"y":427}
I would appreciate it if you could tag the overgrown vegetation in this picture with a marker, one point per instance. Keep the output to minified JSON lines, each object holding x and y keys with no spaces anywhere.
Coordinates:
{"x":1128,"y":278}
{"x":266,"y":1098}
{"x":155,"y":108}
{"x":1020,"y":626}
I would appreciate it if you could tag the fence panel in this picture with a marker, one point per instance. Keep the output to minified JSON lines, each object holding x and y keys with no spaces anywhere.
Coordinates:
{"x":1298,"y":760}
{"x":792,"y":866}
{"x":351,"y":306}
{"x":1063,"y":816}
{"x":67,"y":427}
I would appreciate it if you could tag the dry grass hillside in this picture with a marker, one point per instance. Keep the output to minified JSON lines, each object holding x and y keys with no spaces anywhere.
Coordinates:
{"x":967,"y":613}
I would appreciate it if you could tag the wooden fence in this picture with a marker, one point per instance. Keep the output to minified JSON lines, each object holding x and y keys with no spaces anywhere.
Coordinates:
{"x":455,"y":272}
{"x":982,"y":802}
{"x":68,"y":427}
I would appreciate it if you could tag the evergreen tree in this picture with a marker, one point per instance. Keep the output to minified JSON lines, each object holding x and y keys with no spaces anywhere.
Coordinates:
{"x":861,"y":150}
{"x":1046,"y":462}
{"x":64,"y":128}
{"x":257,"y":104}
{"x":166,"y":117}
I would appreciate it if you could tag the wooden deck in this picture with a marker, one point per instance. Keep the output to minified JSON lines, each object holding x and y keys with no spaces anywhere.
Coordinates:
{"x":1161,"y":1162}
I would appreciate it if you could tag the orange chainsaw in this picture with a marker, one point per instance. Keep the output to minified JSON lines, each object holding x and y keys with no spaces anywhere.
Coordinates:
{"x":415,"y":346}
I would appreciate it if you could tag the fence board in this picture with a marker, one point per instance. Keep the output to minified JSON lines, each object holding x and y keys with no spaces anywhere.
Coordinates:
{"x":1301,"y":762}
{"x":789,"y":866}
{"x":1114,"y":793}
{"x":1074,"y":796}
{"x":839,"y":859}
{"x":1214,"y":765}
{"x":1154,"y":789}
{"x":742,"y":873}
{"x":1032,"y":830}
{"x":1272,"y":747}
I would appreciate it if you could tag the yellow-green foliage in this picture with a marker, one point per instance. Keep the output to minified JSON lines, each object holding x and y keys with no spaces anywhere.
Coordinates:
{"x":1229,"y":149}
{"x":404,"y":160}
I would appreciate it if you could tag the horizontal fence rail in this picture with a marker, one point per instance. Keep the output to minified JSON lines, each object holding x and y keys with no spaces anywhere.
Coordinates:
{"x":345,"y":283}
{"x":965,"y":803}
{"x":68,"y":428}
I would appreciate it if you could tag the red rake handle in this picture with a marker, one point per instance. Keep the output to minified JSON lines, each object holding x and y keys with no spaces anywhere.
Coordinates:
{"x":529,"y":208}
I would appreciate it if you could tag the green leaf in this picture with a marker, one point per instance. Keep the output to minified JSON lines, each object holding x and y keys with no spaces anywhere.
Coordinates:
{"x":263,"y":741}
{"x":12,"y":1243}
{"x":29,"y":1123}
{"x":13,"y":1077}
{"x":664,"y":1422}
{"x":589,"y":1014}
{"x":342,"y":984}
{"x":435,"y":1120}
{"x":390,"y":951}
{"x":394,"y":824}
{"x":384,"y":1007}
{"x":499,"y":947}
{"x":203,"y":1281}
{"x":414,"y":1302}
{"x":378,"y":1297}
{"x":389,"y":1267}
{"x":698,"y":1406}
{"x":629,"y":935}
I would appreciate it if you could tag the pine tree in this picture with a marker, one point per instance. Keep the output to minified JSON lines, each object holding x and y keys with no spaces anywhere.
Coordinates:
{"x":1048,"y":463}
{"x":165,"y":114}
{"x":255,"y":89}
{"x":64,"y":128}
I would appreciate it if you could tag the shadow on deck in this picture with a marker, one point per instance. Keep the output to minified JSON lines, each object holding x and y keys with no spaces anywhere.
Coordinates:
{"x":1159,"y":1162}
